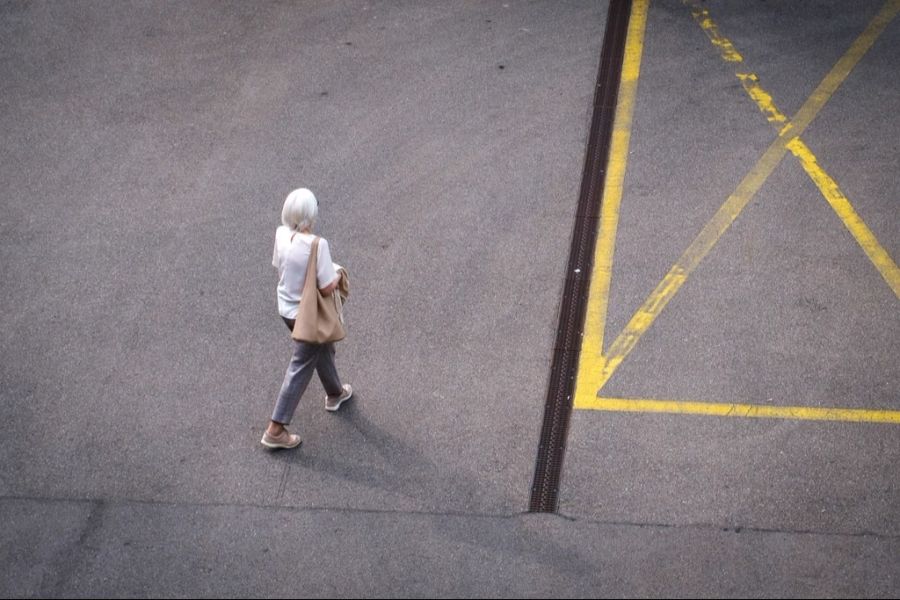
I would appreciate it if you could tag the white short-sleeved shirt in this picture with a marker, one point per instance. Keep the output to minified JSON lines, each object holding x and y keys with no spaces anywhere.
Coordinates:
{"x":291,"y":259}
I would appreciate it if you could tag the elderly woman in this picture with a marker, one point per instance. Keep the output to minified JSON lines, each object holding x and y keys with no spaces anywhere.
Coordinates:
{"x":293,"y":243}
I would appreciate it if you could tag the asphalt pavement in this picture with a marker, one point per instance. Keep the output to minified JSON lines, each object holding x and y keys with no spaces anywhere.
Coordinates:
{"x":148,"y":148}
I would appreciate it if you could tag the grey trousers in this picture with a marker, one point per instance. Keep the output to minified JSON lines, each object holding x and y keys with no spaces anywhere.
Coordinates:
{"x":306,"y":359}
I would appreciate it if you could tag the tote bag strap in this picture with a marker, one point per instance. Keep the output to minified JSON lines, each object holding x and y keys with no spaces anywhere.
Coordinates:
{"x":312,"y":270}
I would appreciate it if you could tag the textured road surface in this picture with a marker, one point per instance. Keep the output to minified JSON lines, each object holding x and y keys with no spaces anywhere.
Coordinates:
{"x":147,"y":150}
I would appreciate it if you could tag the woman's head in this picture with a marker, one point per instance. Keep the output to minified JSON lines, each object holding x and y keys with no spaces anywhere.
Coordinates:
{"x":300,"y":210}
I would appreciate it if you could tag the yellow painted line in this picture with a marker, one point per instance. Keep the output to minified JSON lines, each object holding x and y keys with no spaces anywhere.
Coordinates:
{"x":854,"y":223}
{"x":590,"y":358}
{"x":754,"y":411}
{"x":763,"y":99}
{"x":728,"y":51}
{"x":701,"y":245}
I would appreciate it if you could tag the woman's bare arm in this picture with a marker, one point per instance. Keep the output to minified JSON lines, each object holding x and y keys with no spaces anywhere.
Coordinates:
{"x":328,"y":289}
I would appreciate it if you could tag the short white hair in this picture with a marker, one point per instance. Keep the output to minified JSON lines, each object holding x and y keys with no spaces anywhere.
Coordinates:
{"x":300,"y":210}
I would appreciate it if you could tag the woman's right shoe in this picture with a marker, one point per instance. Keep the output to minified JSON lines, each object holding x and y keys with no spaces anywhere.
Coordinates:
{"x":282,"y":440}
{"x":332,"y":403}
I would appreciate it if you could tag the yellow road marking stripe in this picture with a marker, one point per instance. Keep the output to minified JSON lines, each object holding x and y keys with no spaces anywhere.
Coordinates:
{"x":755,"y":411}
{"x":725,"y":216}
{"x":854,"y":223}
{"x":590,"y":361}
{"x":724,"y":45}
{"x":763,"y":100}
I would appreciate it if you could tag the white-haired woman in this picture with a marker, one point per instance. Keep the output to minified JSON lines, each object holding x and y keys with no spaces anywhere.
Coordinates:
{"x":293,"y":243}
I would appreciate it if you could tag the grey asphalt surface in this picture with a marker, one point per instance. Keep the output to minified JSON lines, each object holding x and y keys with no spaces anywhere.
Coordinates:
{"x":148,"y":149}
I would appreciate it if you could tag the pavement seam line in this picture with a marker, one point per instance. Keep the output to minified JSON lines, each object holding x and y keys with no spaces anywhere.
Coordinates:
{"x":175,"y":504}
{"x":109,"y":502}
{"x":734,"y":529}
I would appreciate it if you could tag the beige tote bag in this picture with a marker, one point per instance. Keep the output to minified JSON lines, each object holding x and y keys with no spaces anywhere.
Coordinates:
{"x":318,"y":318}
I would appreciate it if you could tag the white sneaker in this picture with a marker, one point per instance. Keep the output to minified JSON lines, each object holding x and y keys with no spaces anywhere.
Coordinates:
{"x":282,"y":440}
{"x":332,"y":403}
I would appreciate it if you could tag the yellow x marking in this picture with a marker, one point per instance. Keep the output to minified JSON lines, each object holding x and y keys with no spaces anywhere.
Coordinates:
{"x":829,"y":188}
{"x":596,"y":367}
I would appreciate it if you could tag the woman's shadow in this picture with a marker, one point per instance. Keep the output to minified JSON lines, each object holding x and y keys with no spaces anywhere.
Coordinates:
{"x":370,"y":456}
